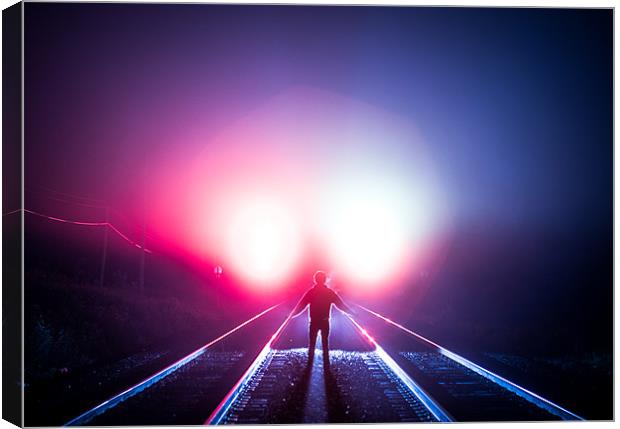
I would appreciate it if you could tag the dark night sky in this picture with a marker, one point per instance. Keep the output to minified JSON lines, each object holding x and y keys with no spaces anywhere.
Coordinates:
{"x":516,"y":104}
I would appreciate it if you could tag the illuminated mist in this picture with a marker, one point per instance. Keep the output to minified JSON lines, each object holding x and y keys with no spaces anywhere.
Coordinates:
{"x":310,"y":177}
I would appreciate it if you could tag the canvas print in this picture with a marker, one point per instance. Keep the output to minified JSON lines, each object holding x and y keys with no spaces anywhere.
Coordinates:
{"x":291,"y":214}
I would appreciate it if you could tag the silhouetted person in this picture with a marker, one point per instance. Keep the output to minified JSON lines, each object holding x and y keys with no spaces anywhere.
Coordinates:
{"x":320,"y":298}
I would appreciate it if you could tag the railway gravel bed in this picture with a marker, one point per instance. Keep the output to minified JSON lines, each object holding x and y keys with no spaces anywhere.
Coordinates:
{"x":182,"y":398}
{"x":355,"y":387}
{"x":467,"y":395}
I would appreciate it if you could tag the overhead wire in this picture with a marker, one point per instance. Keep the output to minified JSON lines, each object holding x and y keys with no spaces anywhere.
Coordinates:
{"x":83,"y":223}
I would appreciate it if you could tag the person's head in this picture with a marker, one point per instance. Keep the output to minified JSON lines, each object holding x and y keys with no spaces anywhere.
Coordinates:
{"x":320,"y":278}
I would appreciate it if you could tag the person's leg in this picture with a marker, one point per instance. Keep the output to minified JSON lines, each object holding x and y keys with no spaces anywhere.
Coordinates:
{"x":325,"y":341}
{"x":313,"y":332}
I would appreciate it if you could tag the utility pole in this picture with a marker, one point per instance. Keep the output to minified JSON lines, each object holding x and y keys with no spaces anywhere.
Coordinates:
{"x":143,"y":239}
{"x":218,"y":285}
{"x":143,"y":252}
{"x":105,"y":246}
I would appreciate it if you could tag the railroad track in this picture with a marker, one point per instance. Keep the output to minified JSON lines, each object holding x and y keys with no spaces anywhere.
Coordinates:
{"x":360,"y":384}
{"x":470,"y":392}
{"x":398,"y":376}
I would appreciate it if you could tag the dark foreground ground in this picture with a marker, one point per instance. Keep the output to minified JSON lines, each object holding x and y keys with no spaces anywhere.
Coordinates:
{"x":356,"y":384}
{"x":359,"y":386}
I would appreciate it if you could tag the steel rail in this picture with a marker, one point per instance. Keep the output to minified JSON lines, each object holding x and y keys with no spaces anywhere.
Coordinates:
{"x":433,"y":407}
{"x":528,"y":395}
{"x":220,"y":411}
{"x":128,"y":393}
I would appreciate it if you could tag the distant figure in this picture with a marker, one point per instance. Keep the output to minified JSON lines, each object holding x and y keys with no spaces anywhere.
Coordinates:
{"x":320,"y":298}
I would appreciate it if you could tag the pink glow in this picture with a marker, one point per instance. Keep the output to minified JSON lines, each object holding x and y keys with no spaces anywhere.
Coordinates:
{"x":308,"y":174}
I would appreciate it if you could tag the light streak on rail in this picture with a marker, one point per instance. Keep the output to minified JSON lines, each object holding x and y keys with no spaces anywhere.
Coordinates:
{"x":439,"y":413}
{"x":104,"y":406}
{"x":532,"y":397}
{"x":220,"y":411}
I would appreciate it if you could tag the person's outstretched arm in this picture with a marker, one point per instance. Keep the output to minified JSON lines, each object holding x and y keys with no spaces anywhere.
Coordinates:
{"x":341,"y":305}
{"x":301,"y":305}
